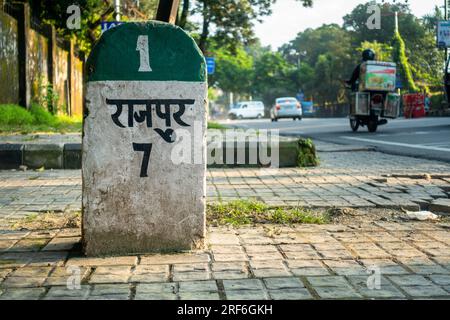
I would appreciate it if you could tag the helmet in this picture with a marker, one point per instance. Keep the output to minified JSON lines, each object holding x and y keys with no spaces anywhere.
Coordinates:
{"x":368,"y":55}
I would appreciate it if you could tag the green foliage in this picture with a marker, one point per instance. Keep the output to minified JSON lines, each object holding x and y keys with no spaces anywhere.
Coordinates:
{"x":215,"y":125}
{"x":234,"y":71}
{"x":307,"y":156}
{"x":272,"y":77}
{"x":244,"y":212}
{"x":383,"y":51}
{"x":42,"y":116}
{"x":16,"y":119}
{"x":14,"y":115}
{"x":419,"y":36}
{"x":399,"y":56}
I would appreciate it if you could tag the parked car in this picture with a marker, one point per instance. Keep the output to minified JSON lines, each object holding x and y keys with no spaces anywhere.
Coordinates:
{"x":286,"y":108}
{"x":246,"y":110}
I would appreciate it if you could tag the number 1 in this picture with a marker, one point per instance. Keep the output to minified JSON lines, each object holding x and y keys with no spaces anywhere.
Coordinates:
{"x":142,"y":47}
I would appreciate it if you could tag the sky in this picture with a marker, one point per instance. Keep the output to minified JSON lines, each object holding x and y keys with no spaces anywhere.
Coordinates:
{"x":289,"y":17}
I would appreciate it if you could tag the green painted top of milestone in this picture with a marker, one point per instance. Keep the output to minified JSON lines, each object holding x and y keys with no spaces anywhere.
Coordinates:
{"x":146,"y":51}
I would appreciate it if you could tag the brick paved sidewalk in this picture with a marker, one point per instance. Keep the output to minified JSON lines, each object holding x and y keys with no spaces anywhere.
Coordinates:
{"x":344,"y":179}
{"x":270,"y":262}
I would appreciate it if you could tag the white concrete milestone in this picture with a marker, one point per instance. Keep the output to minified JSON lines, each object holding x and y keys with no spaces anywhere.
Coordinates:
{"x":144,"y":142}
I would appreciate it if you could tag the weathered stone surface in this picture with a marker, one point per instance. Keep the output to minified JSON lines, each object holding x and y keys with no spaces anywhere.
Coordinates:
{"x":49,"y":156}
{"x":137,"y":201}
{"x":441,"y":206}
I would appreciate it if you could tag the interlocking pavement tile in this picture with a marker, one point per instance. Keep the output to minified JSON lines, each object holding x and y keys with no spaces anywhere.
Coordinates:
{"x":222,"y":238}
{"x":327,"y":281}
{"x":345,"y":267}
{"x":242,"y":284}
{"x":13,"y":235}
{"x":229,"y":270}
{"x":155,"y":296}
{"x":410,"y":280}
{"x":385,"y":266}
{"x":60,"y":276}
{"x":22,"y":294}
{"x":231,"y":249}
{"x":32,"y":272}
{"x":425,"y":291}
{"x":175,"y":258}
{"x":265,"y":256}
{"x":371,"y":289}
{"x":14,"y":259}
{"x":252,"y":249}
{"x":199,"y":295}
{"x":441,"y":279}
{"x":194,"y":271}
{"x":63,"y":292}
{"x":342,"y":292}
{"x":111,"y":290}
{"x":222,"y":257}
{"x":108,"y":261}
{"x":23,"y":282}
{"x":62,"y":244}
{"x":335,"y":254}
{"x":29,"y":245}
{"x":290,"y":294}
{"x":150,"y":273}
{"x":269,"y":268}
{"x":246,"y":295}
{"x":197,"y":286}
{"x":111,"y":274}
{"x":307,"y":267}
{"x":283,"y":283}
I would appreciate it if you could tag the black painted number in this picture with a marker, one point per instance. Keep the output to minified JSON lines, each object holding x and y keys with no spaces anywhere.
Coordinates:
{"x":146,"y":148}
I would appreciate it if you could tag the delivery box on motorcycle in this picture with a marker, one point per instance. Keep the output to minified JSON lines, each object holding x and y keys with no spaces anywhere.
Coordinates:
{"x":377,"y":76}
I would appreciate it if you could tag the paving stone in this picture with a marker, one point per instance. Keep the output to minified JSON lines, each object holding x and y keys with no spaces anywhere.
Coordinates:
{"x":230,"y":257}
{"x":175,"y":258}
{"x":155,"y":296}
{"x":342,"y":292}
{"x":244,"y":284}
{"x":369,"y":289}
{"x":108,"y":261}
{"x":110,"y":289}
{"x":61,"y":244}
{"x":283,"y":283}
{"x":63,"y":292}
{"x":424,"y":291}
{"x":195,"y":286}
{"x":246,"y":295}
{"x":290,"y":294}
{"x":409,"y":280}
{"x":327,"y":281}
{"x":200,"y":295}
{"x":22,"y":294}
{"x":23,"y":282}
{"x":191,"y":276}
{"x":166,"y":288}
{"x":441,"y":279}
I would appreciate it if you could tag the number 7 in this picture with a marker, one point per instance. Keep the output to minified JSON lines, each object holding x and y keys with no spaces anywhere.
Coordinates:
{"x":146,"y":148}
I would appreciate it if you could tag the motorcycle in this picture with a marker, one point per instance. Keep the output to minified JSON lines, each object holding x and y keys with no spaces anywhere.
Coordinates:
{"x":373,"y":100}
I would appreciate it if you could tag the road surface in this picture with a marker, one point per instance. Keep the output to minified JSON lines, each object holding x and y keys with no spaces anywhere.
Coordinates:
{"x":427,"y":138}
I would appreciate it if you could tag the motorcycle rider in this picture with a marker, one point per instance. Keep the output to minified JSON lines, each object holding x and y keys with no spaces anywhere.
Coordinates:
{"x":367,"y":55}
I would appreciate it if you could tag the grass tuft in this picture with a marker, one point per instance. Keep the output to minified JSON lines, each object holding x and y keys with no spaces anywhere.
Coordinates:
{"x":245,"y":212}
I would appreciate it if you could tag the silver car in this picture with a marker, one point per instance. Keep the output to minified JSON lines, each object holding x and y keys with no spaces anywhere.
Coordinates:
{"x":286,"y":108}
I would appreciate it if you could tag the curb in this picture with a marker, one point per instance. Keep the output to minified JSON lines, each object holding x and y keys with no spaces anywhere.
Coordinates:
{"x":68,"y":155}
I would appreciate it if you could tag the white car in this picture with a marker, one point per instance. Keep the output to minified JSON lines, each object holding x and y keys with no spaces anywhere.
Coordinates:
{"x":246,"y":110}
{"x":286,"y":108}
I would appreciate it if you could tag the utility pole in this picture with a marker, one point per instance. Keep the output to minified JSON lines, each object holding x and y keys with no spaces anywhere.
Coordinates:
{"x":117,"y":9}
{"x":446,"y":18}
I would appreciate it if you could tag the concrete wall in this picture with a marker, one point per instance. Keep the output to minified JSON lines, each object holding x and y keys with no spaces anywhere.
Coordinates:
{"x":31,"y":58}
{"x":37,"y":65}
{"x":9,"y":60}
{"x":62,"y":77}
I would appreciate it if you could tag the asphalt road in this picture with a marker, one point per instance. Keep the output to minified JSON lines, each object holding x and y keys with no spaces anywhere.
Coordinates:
{"x":427,"y":138}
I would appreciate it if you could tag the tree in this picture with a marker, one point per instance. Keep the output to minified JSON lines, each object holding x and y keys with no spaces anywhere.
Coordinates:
{"x":325,"y":56}
{"x":232,"y":20}
{"x":403,"y":66}
{"x":272,"y":78}
{"x":418,"y":36}
{"x":233,"y":72}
